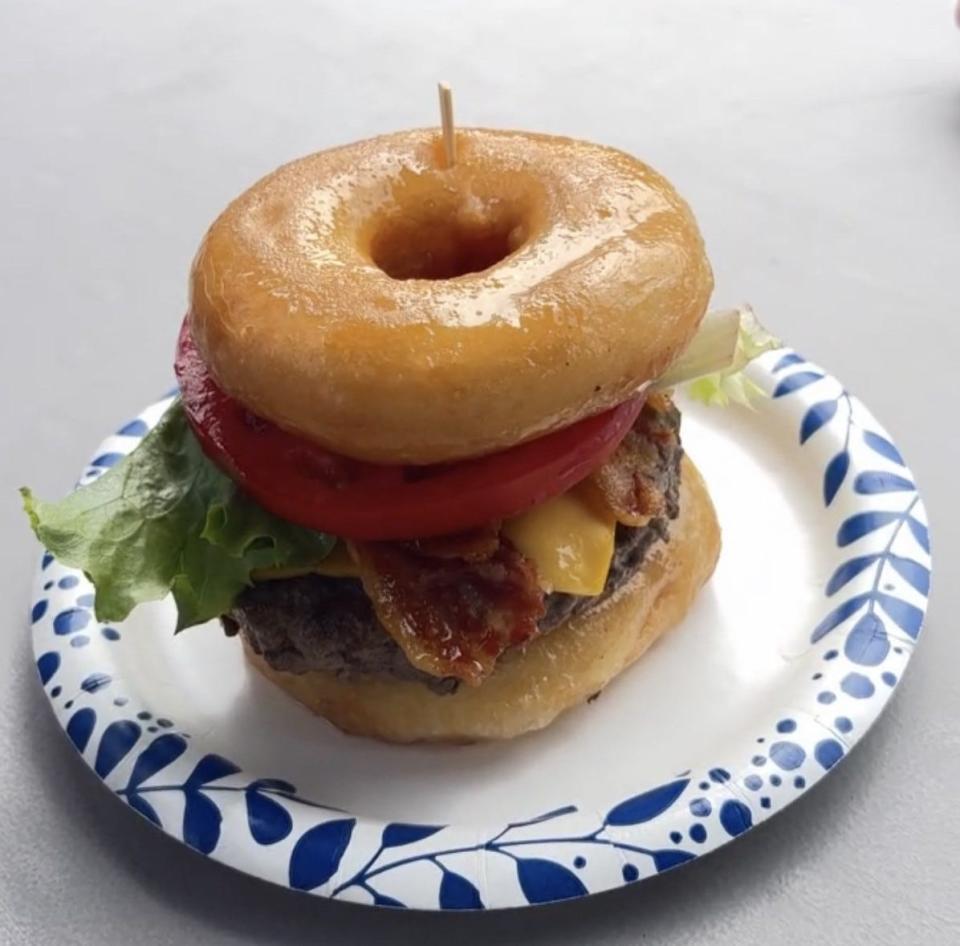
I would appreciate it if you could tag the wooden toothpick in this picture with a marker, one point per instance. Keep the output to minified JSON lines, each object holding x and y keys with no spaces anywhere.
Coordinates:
{"x":446,"y":120}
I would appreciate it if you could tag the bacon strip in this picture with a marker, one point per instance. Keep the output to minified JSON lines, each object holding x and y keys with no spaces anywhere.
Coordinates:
{"x":451,"y":617}
{"x":454,"y":604}
{"x":630,"y":484}
{"x":477,"y":545}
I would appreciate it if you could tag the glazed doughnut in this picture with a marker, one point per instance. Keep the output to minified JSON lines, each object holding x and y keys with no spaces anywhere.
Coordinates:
{"x":375,"y":302}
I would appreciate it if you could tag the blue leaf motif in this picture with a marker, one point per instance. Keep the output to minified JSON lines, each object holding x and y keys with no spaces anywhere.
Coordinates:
{"x":117,"y":741}
{"x":863,"y":523}
{"x":317,"y":854}
{"x":791,"y":358}
{"x":834,"y":475}
{"x":106,"y":460}
{"x":551,"y":815}
{"x":138,"y":803}
{"x":398,"y":834}
{"x":269,"y":821}
{"x":920,"y":533}
{"x":135,"y":428}
{"x":95,"y":681}
{"x":163,"y":751}
{"x":917,"y":575}
{"x":382,"y":900}
{"x":670,"y":858}
{"x":81,"y":726}
{"x":71,"y":621}
{"x":211,"y":768}
{"x":201,"y":822}
{"x":275,"y":784}
{"x":873,"y":481}
{"x":848,"y":571}
{"x":838,"y":615}
{"x":882,"y":446}
{"x":457,"y":893}
{"x":816,"y":416}
{"x":543,"y":881}
{"x":867,"y":643}
{"x":647,"y":805}
{"x":795,"y":382}
{"x":47,"y":665}
{"x":907,"y":617}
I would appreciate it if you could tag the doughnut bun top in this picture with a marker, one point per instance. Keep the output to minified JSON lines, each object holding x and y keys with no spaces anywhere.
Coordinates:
{"x":397,"y":311}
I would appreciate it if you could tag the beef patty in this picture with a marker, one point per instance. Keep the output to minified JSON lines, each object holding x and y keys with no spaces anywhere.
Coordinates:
{"x":314,"y":622}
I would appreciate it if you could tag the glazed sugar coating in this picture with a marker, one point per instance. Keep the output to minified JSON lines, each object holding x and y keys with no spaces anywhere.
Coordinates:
{"x":395,"y":310}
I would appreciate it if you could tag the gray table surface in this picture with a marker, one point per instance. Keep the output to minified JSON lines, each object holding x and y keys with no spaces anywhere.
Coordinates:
{"x":819,"y":144}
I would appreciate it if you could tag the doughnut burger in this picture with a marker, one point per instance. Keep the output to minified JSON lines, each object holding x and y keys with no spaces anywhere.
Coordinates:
{"x":424,"y":462}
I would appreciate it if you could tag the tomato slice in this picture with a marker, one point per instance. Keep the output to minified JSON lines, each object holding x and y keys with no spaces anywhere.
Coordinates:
{"x":304,"y":483}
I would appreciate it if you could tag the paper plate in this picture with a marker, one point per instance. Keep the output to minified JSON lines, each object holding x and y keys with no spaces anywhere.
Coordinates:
{"x":788,"y":656}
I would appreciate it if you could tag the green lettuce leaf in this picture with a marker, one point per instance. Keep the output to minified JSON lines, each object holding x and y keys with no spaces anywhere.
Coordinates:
{"x":165,"y":519}
{"x":731,"y":385}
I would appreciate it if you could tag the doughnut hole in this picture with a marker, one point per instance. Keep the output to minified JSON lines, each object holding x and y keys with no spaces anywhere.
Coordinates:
{"x":445,"y":236}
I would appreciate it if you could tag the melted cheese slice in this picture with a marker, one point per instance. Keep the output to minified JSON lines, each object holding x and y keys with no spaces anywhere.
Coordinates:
{"x":338,"y":564}
{"x":569,"y":540}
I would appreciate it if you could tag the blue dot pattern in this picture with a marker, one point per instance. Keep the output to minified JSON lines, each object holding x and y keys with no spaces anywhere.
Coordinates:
{"x":700,"y":807}
{"x":858,"y":686}
{"x":828,"y":752}
{"x":843,"y":724}
{"x":735,"y":817}
{"x":787,"y":755}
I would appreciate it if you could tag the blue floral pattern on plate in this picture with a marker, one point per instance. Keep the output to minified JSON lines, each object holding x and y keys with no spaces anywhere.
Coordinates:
{"x":873,"y":608}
